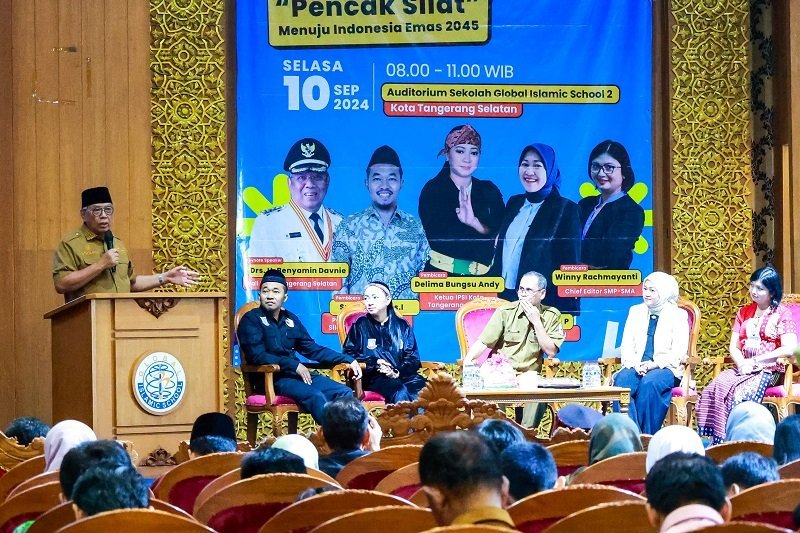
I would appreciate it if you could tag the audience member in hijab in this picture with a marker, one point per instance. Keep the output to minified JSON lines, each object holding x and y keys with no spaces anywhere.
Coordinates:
{"x":748,"y":469}
{"x":212,"y":433}
{"x":500,"y":434}
{"x":25,"y":429}
{"x":614,"y":434}
{"x":787,"y":440}
{"x":750,"y":421}
{"x":541,"y":230}
{"x":655,"y":344}
{"x":62,"y":438}
{"x":685,"y":492}
{"x":673,"y":439}
{"x":301,"y":446}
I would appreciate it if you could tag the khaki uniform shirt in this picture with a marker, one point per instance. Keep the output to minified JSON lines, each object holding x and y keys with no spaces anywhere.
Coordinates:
{"x":490,"y":516}
{"x":510,"y":332}
{"x":81,"y":248}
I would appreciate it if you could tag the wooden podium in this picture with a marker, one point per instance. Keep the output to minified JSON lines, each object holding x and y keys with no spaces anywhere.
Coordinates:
{"x":138,"y":367}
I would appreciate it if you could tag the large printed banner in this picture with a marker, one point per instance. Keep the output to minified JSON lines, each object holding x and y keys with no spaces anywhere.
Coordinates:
{"x":445,"y":148}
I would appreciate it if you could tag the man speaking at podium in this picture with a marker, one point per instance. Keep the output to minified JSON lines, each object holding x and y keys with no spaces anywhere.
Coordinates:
{"x":91,"y":259}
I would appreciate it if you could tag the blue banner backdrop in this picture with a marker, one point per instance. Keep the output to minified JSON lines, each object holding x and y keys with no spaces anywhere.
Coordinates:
{"x":356,"y":75}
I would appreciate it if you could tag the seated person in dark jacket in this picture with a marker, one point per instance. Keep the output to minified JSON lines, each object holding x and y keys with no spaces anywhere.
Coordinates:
{"x":350,"y":432}
{"x":271,"y":335}
{"x":385,"y":343}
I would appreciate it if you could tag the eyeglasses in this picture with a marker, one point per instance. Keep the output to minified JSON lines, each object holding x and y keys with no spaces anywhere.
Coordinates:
{"x":97,"y":211}
{"x":528,"y":290}
{"x":608,"y":168}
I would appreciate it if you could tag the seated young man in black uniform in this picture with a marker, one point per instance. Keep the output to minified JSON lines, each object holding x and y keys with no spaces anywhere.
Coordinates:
{"x":272,"y":335}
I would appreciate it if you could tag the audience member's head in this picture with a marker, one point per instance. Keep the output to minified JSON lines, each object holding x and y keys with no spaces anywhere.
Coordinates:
{"x":101,"y":489}
{"x":529,"y":468}
{"x":459,"y":472}
{"x":344,"y":424}
{"x":271,"y":461}
{"x":672,"y":439}
{"x":746,"y":470}
{"x":210,"y":444}
{"x":300,"y":446}
{"x":499,"y":434}
{"x":750,"y":421}
{"x":613,"y":435}
{"x":25,"y":429}
{"x":107,"y":454}
{"x":682,"y":479}
{"x":62,"y":438}
{"x":787,"y":440}
{"x":212,"y":433}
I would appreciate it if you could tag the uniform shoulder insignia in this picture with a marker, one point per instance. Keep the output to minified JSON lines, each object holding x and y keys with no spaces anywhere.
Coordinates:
{"x":334,"y":212}
{"x":272,"y":210}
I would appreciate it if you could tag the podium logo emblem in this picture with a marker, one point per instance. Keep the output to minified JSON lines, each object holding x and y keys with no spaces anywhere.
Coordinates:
{"x":159,"y":382}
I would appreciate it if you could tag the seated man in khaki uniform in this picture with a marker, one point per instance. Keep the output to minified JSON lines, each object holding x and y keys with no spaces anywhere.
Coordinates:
{"x":524,"y":331}
{"x":91,"y":259}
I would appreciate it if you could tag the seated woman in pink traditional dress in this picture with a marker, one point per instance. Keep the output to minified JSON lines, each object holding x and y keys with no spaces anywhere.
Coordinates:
{"x":763,"y":331}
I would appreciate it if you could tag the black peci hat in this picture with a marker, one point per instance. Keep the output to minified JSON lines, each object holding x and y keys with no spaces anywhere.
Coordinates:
{"x":274,"y":275}
{"x":213,"y":424}
{"x":385,"y":155}
{"x":95,"y":195}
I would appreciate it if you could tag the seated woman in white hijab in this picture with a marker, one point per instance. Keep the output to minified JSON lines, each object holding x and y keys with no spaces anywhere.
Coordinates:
{"x":655,"y":343}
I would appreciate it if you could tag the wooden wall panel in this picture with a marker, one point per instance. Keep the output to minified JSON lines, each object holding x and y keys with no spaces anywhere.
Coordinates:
{"x":7,"y":213}
{"x":58,"y":150}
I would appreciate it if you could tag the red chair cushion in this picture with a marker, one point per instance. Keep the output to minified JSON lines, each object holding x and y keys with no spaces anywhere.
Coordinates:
{"x":537,"y":526}
{"x":677,"y":392}
{"x":635,"y":486}
{"x":245,"y":518}
{"x":368,"y":480}
{"x":407,"y":491}
{"x":370,"y":396}
{"x":778,"y":518}
{"x":259,"y":400}
{"x":778,"y":391}
{"x":474,"y":322}
{"x":185,"y":491}
{"x":351,"y":319}
{"x":12,"y":523}
{"x":567,"y":469}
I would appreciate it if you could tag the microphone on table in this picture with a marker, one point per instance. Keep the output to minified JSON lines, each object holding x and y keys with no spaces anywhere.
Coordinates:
{"x":108,"y":237}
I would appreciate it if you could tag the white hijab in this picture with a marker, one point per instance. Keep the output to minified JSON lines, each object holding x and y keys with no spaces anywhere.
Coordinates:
{"x":672,"y":439}
{"x":299,"y":445}
{"x":62,"y":438}
{"x":667,"y":288}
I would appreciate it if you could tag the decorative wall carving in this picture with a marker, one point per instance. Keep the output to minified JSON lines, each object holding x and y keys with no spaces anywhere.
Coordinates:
{"x":710,"y":120}
{"x":188,"y":117}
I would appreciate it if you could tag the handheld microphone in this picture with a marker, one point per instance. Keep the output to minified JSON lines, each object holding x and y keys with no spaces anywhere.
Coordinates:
{"x":108,"y":237}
